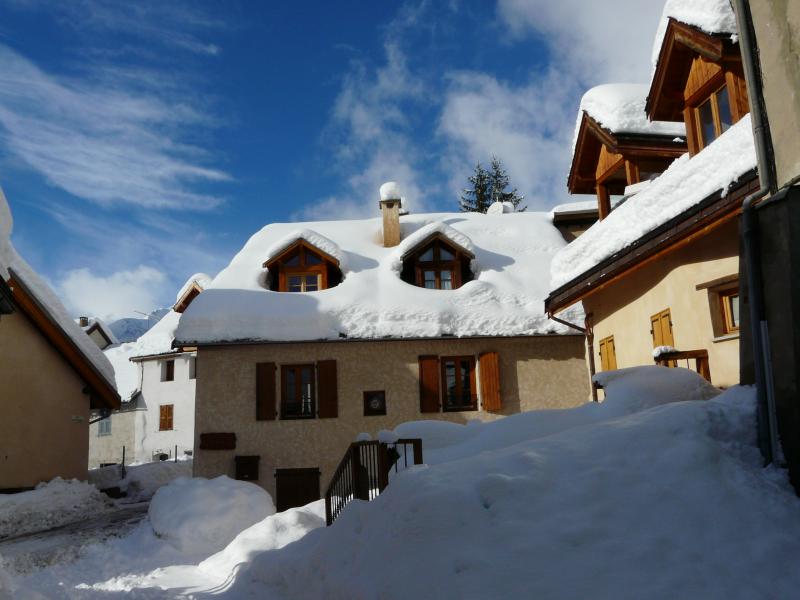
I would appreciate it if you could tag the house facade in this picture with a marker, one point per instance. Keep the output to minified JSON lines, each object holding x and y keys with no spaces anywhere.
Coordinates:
{"x":317,"y":332}
{"x":658,"y":275}
{"x":44,"y":421}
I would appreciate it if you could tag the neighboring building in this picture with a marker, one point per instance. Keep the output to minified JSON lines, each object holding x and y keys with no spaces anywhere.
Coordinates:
{"x":575,"y":218}
{"x":319,"y":331}
{"x":661,"y":270}
{"x":100,"y":333}
{"x":157,"y":386}
{"x":51,"y":375}
{"x":771,"y":46}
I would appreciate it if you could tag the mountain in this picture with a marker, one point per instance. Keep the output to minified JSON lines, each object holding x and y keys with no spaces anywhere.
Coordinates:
{"x":130,"y":329}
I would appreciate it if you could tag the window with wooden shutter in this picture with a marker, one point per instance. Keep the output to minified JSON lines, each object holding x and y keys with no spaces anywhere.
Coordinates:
{"x":265,"y":391}
{"x":489,"y":366}
{"x":429,"y":384}
{"x":458,"y":383}
{"x":608,"y":354}
{"x":327,"y":389}
{"x":165,"y":417}
{"x":298,"y":392}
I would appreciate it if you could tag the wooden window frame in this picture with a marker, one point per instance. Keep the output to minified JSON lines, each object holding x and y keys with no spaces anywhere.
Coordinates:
{"x":168,"y":370}
{"x":162,"y":418}
{"x":724,"y":296}
{"x":291,"y":273}
{"x":303,"y":248}
{"x":298,"y":392}
{"x":472,"y":380}
{"x":437,"y":265}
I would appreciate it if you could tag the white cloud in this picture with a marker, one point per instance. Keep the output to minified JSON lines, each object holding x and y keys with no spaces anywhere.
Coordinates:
{"x":109,"y":142}
{"x":112,"y":296}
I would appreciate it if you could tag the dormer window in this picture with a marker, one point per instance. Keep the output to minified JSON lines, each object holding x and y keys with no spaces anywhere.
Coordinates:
{"x":303,"y":268}
{"x":437,"y":264}
{"x":714,"y":116}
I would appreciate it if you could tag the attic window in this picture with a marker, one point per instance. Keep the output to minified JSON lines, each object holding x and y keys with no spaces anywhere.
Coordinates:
{"x":437,"y":265}
{"x":714,"y":116}
{"x":303,"y":268}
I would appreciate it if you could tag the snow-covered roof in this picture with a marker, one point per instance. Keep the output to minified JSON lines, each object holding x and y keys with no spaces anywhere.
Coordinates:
{"x":201,"y":279}
{"x":10,"y":260}
{"x":620,"y":108}
{"x":511,"y":266}
{"x":684,"y":184}
{"x":317,"y":240}
{"x":92,"y":321}
{"x":710,"y":16}
{"x":574,"y":207}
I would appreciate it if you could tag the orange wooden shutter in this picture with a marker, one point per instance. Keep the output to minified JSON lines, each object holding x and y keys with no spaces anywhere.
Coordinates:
{"x":265,"y":391}
{"x":327,"y":391}
{"x":666,"y":328}
{"x":489,"y":364}
{"x":165,"y":417}
{"x":429,"y":384}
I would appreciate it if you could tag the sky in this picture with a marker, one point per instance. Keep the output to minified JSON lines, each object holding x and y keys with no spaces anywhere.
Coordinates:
{"x":143,"y":142}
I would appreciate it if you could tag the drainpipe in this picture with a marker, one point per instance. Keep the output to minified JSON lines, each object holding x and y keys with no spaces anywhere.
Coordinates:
{"x":767,"y":421}
{"x":588,"y":333}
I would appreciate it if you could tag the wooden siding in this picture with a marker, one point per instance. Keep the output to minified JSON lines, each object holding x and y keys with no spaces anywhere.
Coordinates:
{"x":701,"y":73}
{"x":608,"y":163}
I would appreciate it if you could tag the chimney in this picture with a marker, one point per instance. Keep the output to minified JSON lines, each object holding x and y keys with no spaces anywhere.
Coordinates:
{"x":390,"y":210}
{"x":84,"y":321}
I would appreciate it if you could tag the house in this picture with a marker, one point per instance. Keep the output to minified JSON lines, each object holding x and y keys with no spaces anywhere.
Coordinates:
{"x":316,"y":332}
{"x":574,"y":218}
{"x":100,"y":333}
{"x":44,"y":420}
{"x":157,"y":386}
{"x":659,"y":273}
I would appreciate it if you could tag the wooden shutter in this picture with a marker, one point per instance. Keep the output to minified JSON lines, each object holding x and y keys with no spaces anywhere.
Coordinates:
{"x":429,"y":400}
{"x":489,"y":365}
{"x":327,"y":389}
{"x":608,"y":354}
{"x":265,"y":391}
{"x":165,"y":417}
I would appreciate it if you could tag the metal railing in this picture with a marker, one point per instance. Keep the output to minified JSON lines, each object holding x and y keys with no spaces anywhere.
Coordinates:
{"x":363,"y":472}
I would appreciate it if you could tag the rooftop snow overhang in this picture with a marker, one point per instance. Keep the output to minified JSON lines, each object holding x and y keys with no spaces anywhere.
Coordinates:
{"x":96,"y":326}
{"x":437,"y":235}
{"x":592,"y":137}
{"x":101,"y":393}
{"x":300,"y":241}
{"x":712,"y":212}
{"x":682,"y":44}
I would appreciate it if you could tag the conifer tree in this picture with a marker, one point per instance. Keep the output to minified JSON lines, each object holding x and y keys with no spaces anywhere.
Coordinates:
{"x":498,"y":182}
{"x":478,"y":197}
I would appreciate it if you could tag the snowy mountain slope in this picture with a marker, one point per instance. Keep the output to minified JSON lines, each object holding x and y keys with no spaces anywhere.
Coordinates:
{"x":130,"y":329}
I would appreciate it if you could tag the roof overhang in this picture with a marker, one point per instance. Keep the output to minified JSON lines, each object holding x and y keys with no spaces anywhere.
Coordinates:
{"x":682,"y":44}
{"x":187,"y":297}
{"x":6,"y":298}
{"x":102,"y":394}
{"x":592,"y":137}
{"x":714,"y":211}
{"x":296,"y":244}
{"x":178,"y":351}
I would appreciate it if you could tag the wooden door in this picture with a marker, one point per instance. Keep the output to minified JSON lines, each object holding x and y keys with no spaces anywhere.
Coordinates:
{"x":296,"y":487}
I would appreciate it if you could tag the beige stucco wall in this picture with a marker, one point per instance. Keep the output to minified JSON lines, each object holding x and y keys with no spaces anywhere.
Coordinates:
{"x":108,"y":448}
{"x":624,"y":308}
{"x":536,"y":372}
{"x":44,"y":414}
{"x":777,"y":27}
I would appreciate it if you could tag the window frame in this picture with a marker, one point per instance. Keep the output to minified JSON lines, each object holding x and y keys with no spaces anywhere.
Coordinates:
{"x":168,"y":370}
{"x":473,"y":405}
{"x":104,"y":427}
{"x":713,"y":101}
{"x":374,"y":412}
{"x":162,"y":418}
{"x":319,"y":267}
{"x":726,"y":310}
{"x":437,"y":265}
{"x":284,"y":415}
{"x":303,"y":283}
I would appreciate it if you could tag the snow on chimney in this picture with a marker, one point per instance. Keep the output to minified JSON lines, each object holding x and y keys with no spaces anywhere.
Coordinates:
{"x":390,"y":209}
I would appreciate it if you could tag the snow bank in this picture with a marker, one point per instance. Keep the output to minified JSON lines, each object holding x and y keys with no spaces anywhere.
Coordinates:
{"x":141,"y":481}
{"x":711,"y":16}
{"x":500,"y":208}
{"x":669,"y":502}
{"x":199,"y":516}
{"x":684,"y":184}
{"x":52,"y":504}
{"x":506,"y":298}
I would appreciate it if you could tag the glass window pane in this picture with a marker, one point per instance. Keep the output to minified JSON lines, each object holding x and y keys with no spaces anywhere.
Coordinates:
{"x":289,"y":391}
{"x":724,"y":109}
{"x":306,"y":375}
{"x":427,"y":256}
{"x":293,"y":259}
{"x":446,"y":278}
{"x":430,"y":279}
{"x":450,"y":381}
{"x":706,"y":117}
{"x":465,"y":383}
{"x":312,"y":259}
{"x":295,"y":283}
{"x":312,"y":283}
{"x":734,"y":306}
{"x":445,"y":254}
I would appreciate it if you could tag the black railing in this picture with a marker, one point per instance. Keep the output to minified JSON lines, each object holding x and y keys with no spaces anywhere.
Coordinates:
{"x":363,"y":472}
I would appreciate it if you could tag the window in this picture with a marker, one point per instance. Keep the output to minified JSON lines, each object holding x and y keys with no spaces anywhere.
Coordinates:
{"x":729,"y":303}
{"x":608,"y":354}
{"x":192,"y":367}
{"x":104,"y":427}
{"x":714,"y":116}
{"x":165,"y":417}
{"x":299,"y":395}
{"x":723,"y":304}
{"x":438,"y":267}
{"x":374,"y":403}
{"x":168,"y":370}
{"x":302,"y":268}
{"x":458,"y":383}
{"x":304,"y":282}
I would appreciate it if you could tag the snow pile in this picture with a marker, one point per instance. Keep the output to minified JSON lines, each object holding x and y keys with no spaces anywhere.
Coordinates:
{"x":499,"y":208}
{"x":684,"y":184}
{"x":141,"y":481}
{"x":390,"y":191}
{"x":506,"y":298}
{"x":619,"y":108}
{"x":200,"y":279}
{"x":52,"y":504}
{"x":312,"y":237}
{"x":711,"y":16}
{"x":574,"y":207}
{"x":659,"y":350}
{"x":663,"y":503}
{"x":199,"y":516}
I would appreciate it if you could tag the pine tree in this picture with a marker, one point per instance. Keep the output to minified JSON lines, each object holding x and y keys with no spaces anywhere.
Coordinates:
{"x":498,"y":182}
{"x":478,"y":197}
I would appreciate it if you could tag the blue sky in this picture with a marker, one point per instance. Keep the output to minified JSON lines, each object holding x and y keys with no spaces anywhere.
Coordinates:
{"x":143,"y":142}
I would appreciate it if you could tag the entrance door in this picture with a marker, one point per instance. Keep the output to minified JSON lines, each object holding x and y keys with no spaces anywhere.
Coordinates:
{"x":296,"y":487}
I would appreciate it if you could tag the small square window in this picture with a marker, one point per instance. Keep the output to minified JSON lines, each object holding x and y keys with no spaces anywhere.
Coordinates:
{"x":730,"y":310}
{"x":374,"y":403}
{"x":104,"y":427}
{"x":168,"y":370}
{"x":192,"y":367}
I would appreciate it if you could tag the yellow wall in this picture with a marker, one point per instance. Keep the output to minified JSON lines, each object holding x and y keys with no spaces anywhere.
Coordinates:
{"x":535,"y":372}
{"x":623,"y":309}
{"x":44,"y":414}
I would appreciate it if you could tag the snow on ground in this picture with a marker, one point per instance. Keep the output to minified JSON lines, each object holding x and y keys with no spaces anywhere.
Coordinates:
{"x":658,"y":492}
{"x":141,"y":480}
{"x":51,"y":504}
{"x":201,"y":516}
{"x":684,"y":184}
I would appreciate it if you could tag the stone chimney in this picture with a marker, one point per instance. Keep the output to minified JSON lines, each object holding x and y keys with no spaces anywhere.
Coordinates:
{"x":84,"y":321}
{"x":390,"y":210}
